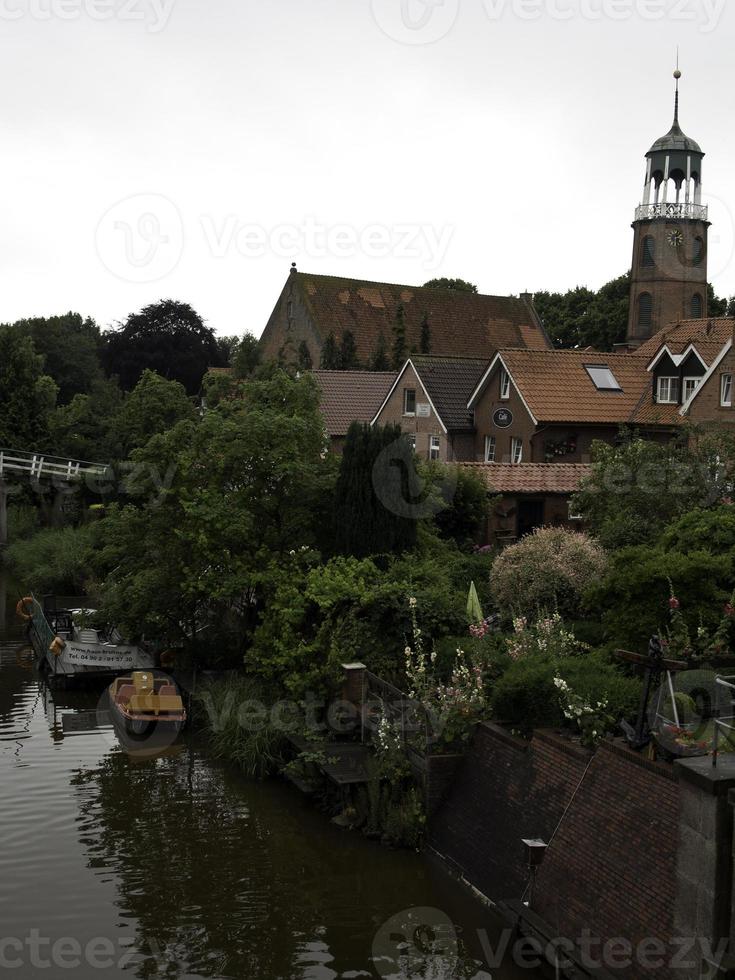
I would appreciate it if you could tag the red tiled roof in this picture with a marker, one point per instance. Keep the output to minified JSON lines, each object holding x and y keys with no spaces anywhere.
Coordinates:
{"x":351,"y":396}
{"x":708,"y":336}
{"x":460,"y":324}
{"x":557,"y":388}
{"x":562,"y":478}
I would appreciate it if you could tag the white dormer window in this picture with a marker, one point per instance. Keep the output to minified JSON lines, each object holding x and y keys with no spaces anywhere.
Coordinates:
{"x":726,"y":390}
{"x":668,"y":391}
{"x":690,"y":386}
{"x":490,"y":449}
{"x":504,"y":385}
{"x":516,"y":450}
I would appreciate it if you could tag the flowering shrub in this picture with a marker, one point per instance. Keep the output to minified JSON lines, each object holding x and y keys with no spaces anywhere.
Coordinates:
{"x":547,"y":637}
{"x":592,"y":720}
{"x":549,"y":569}
{"x":455,"y":706}
{"x":678,"y":642}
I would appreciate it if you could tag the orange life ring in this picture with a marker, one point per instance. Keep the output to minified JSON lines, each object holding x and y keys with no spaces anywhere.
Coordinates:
{"x":20,"y":609}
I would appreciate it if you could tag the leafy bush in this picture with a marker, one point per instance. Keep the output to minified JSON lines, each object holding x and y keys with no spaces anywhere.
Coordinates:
{"x":53,"y":560}
{"x":633,"y":597}
{"x":546,"y":571}
{"x":525,"y":696}
{"x":228,"y":710}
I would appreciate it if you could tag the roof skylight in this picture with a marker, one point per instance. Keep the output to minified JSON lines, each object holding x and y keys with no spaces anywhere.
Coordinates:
{"x":602,"y":377}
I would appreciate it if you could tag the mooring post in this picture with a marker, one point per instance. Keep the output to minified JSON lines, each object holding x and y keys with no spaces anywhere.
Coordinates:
{"x":3,"y":514}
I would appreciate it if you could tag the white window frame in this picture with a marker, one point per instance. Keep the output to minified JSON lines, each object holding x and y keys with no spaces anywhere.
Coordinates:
{"x":406,"y":413}
{"x":435,"y":447}
{"x":726,"y":390}
{"x":686,"y":395}
{"x":491,"y":449}
{"x":675,"y":386}
{"x":516,"y":450}
{"x":504,"y":385}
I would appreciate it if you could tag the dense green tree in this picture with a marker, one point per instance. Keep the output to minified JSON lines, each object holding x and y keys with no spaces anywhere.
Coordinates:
{"x":380,"y":360}
{"x":465,"y":511}
{"x":374,"y":511}
{"x":27,"y":395}
{"x":247,"y":356}
{"x":639,"y":486}
{"x":85,"y":428}
{"x":154,"y":406}
{"x":348,"y":359}
{"x":399,"y":339}
{"x":457,"y":285}
{"x":242,"y":491}
{"x":716,"y":305}
{"x":584,"y":318}
{"x":330,"y":359}
{"x":226,"y":349}
{"x":70,"y":346}
{"x":169,"y":338}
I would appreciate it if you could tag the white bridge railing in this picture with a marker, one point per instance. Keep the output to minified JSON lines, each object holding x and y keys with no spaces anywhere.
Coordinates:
{"x":41,"y":466}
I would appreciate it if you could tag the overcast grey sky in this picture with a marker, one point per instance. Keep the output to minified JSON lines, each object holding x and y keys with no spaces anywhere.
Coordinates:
{"x":193,"y":149}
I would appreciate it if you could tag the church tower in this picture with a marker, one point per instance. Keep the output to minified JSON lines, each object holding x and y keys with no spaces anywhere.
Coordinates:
{"x":669,"y":280}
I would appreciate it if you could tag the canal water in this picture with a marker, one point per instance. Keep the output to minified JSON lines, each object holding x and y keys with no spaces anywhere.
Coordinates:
{"x":175,"y":866}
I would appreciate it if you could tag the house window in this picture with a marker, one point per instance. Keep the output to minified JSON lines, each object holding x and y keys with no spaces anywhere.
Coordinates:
{"x":648,"y":257}
{"x":516,"y":450}
{"x":726,"y":390}
{"x":504,"y":385}
{"x":490,"y":449}
{"x":434,"y":447}
{"x":690,"y":386}
{"x":668,"y":391}
{"x":602,"y":377}
{"x":645,"y":310}
{"x":409,"y":401}
{"x":697,"y":307}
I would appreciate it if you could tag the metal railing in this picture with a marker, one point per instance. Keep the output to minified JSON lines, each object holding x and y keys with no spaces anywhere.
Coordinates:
{"x":698,"y":212}
{"x":722,"y":723}
{"x":40,"y":466}
{"x":408,"y":716}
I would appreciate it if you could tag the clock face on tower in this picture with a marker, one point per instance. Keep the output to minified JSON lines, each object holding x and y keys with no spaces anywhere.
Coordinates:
{"x":675,"y":238}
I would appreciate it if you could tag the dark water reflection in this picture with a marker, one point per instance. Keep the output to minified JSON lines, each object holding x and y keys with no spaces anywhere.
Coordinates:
{"x":176,"y":867}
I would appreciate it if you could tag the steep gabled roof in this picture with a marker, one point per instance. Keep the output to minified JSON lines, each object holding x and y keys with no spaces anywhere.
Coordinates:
{"x":708,"y":336}
{"x":562,"y":478}
{"x":556,"y":386}
{"x":460,"y":324}
{"x":351,"y":396}
{"x":449,"y":382}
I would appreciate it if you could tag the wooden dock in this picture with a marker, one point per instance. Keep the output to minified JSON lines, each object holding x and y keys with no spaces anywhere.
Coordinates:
{"x":344,"y":763}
